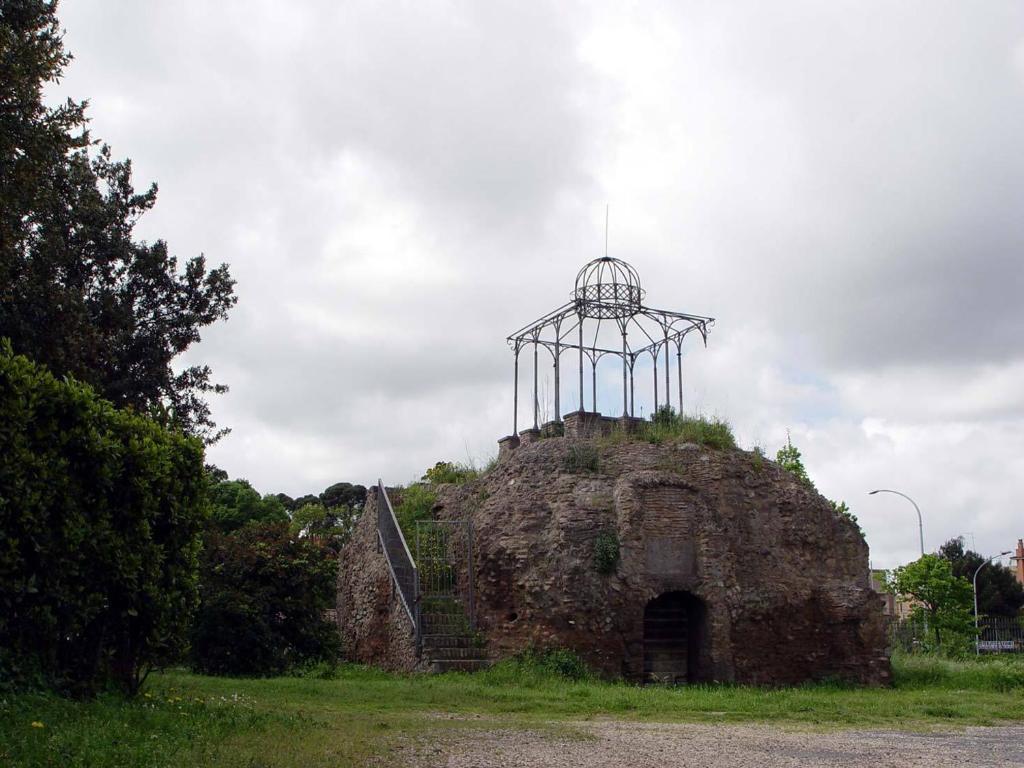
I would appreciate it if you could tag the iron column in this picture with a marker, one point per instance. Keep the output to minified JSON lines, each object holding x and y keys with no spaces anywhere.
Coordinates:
{"x":536,"y":402}
{"x":515,"y":396}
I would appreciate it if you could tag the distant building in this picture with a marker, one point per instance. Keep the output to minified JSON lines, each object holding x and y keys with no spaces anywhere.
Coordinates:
{"x":893,"y":605}
{"x":1019,"y":559}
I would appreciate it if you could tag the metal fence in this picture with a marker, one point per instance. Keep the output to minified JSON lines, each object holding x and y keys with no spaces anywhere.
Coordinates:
{"x":999,"y":634}
{"x":996,"y":634}
{"x":444,"y":552}
{"x":396,"y":551}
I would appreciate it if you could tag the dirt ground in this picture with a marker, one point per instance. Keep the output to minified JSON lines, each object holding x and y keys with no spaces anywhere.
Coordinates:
{"x":605,"y":744}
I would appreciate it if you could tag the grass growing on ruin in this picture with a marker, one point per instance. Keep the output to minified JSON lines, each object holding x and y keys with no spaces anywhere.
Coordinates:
{"x":666,"y":425}
{"x":188,"y":719}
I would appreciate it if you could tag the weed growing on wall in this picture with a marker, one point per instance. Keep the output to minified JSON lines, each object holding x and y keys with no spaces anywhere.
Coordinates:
{"x":606,"y":552}
{"x":581,"y":458}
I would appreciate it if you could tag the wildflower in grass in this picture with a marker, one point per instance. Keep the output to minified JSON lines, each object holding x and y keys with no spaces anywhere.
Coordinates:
{"x":37,"y":724}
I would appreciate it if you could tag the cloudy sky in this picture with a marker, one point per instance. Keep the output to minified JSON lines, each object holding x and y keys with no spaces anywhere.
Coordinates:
{"x":397,"y":186}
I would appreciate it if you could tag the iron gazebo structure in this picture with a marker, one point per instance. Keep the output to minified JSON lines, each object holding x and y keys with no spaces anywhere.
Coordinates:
{"x":606,"y":318}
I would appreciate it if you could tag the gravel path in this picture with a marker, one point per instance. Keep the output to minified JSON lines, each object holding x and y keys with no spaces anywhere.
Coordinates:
{"x":661,"y":745}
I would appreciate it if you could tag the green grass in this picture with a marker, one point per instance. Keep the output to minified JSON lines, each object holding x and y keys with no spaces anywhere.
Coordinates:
{"x":290,"y":721}
{"x":667,"y":426}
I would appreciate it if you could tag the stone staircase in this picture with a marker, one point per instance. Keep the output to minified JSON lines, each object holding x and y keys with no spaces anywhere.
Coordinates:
{"x":448,"y":643}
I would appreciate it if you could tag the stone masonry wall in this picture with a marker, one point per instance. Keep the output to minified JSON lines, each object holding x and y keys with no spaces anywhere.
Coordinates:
{"x":374,"y":625}
{"x":782,"y":578}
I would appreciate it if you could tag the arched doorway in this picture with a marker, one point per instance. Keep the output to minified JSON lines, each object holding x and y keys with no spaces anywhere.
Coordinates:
{"x":674,"y":638}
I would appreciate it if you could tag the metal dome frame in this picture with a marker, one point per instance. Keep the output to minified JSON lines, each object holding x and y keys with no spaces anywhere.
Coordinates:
{"x":606,"y":290}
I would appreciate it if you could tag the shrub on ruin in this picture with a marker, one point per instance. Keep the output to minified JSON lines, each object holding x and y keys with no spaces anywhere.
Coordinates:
{"x":448,"y":472}
{"x":100,"y":513}
{"x":415,"y":503}
{"x":606,"y":552}
{"x":264,"y":597}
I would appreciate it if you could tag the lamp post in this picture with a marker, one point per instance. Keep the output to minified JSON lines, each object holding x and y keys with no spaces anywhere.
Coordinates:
{"x":977,"y":637}
{"x":920,"y":522}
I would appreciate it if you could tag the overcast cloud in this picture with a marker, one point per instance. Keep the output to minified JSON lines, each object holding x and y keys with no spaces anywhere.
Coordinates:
{"x":398,"y":186}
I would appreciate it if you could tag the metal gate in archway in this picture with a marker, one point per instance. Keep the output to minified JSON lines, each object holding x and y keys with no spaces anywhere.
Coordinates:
{"x":444,"y":558}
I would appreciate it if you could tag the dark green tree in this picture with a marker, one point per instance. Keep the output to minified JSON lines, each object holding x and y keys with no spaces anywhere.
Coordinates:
{"x":235,"y":503}
{"x":301,"y":501}
{"x":999,"y":593}
{"x":263,"y":598}
{"x":77,"y":292}
{"x":100,"y":515}
{"x":344,"y":495}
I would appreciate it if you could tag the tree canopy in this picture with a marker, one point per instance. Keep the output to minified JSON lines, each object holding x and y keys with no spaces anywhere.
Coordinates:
{"x":100,"y":513}
{"x":264,"y":594}
{"x":944,"y":598}
{"x":235,"y":503}
{"x":77,"y":292}
{"x":999,"y":593}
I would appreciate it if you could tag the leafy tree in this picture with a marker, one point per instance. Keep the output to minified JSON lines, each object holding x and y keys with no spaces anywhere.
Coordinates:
{"x":942,"y":597}
{"x":264,"y":595}
{"x":286,"y":501}
{"x":302,"y":501}
{"x":331,"y":526}
{"x":77,"y":293}
{"x":235,"y":503}
{"x":999,"y":592}
{"x":100,"y":513}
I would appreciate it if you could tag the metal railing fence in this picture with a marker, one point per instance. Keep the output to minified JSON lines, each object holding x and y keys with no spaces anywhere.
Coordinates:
{"x":444,"y":553}
{"x":403,"y":568}
{"x":996,"y":634}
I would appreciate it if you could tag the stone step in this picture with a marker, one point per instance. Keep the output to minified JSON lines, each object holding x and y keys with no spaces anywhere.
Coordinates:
{"x":453,"y":654}
{"x":448,"y":640}
{"x":444,"y":625}
{"x":458,"y":665}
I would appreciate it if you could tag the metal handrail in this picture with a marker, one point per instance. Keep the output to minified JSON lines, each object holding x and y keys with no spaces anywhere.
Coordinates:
{"x":408,"y":589}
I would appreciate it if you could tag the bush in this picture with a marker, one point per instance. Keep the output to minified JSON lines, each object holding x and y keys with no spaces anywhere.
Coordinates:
{"x":559,"y":662}
{"x":414,"y":503}
{"x":264,"y":595}
{"x":447,"y":472}
{"x":100,"y":513}
{"x":606,"y":552}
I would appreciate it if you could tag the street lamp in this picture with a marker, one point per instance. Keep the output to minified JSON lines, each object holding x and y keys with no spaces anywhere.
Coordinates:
{"x":920,"y":523}
{"x":977,"y":637}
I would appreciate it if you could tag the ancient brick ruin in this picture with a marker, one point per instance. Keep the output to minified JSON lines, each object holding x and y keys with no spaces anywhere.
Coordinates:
{"x":730,"y":569}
